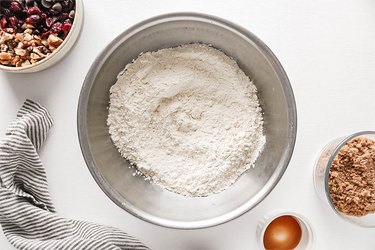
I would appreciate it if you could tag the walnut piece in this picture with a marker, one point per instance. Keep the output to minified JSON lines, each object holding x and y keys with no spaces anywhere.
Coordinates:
{"x":22,"y":49}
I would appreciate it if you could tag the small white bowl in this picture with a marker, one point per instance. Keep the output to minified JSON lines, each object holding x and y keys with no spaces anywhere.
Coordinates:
{"x":307,"y":239}
{"x":60,"y":52}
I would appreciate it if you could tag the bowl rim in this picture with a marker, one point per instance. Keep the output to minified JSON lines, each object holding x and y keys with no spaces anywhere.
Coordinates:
{"x":75,"y":25}
{"x":113,"y":194}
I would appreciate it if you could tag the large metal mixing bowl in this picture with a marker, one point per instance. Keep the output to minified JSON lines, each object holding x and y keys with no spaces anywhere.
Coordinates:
{"x":148,"y":201}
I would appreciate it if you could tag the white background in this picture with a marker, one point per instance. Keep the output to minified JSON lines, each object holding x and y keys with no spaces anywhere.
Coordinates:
{"x":327,"y":48}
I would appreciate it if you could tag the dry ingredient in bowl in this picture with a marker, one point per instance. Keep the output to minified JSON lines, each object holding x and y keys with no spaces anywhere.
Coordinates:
{"x":188,"y":118}
{"x":352,"y":178}
{"x":31,"y":30}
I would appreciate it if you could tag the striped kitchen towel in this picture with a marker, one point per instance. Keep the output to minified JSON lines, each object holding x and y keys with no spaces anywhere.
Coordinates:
{"x":27,"y":214}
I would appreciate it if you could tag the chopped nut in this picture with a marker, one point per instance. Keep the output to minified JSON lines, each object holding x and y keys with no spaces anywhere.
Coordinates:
{"x":9,"y":30}
{"x":4,"y":62}
{"x":5,"y":56}
{"x":25,"y":63}
{"x":29,"y":26}
{"x":27,"y":37}
{"x":37,"y":50}
{"x":16,"y":59}
{"x":38,"y":40}
{"x":54,"y":41}
{"x":52,"y":48}
{"x":19,"y":37}
{"x":5,"y":37}
{"x":29,"y":31}
{"x":3,"y":47}
{"x":20,"y":52}
{"x":34,"y":56}
{"x":11,"y":44}
{"x":45,"y":42}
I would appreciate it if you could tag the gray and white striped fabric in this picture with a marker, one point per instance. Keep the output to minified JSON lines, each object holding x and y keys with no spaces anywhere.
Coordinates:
{"x":27,"y":215}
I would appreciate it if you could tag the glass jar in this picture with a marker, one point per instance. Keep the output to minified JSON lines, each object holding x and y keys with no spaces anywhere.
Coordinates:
{"x":322,"y":171}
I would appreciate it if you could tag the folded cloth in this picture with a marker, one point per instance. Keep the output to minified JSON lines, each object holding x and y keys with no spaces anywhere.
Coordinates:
{"x":27,"y":214}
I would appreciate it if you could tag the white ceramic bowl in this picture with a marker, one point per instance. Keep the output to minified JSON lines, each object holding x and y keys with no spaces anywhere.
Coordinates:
{"x":60,"y":52}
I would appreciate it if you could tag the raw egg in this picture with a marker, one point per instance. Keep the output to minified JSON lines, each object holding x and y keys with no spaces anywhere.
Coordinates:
{"x":283,"y":233}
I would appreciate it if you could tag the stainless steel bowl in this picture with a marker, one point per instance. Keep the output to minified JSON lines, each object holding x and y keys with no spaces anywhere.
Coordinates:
{"x":148,"y":201}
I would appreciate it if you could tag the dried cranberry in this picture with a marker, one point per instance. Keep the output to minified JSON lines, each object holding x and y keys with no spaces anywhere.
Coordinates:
{"x":15,"y":7}
{"x":43,"y":16}
{"x":4,"y":23}
{"x":33,"y":19}
{"x":50,"y":21}
{"x":13,"y":22}
{"x":56,"y":27}
{"x":36,"y":32}
{"x":45,"y":35}
{"x":34,"y":11}
{"x":66,"y":27}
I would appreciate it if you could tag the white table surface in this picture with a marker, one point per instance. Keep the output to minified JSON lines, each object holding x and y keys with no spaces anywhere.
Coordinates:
{"x":327,"y":48}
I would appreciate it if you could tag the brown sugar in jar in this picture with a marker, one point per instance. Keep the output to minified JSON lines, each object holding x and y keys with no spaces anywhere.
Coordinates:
{"x":351,"y":180}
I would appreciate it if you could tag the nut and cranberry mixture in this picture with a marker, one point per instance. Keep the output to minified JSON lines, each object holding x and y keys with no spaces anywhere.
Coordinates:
{"x":31,"y":30}
{"x":352,"y":178}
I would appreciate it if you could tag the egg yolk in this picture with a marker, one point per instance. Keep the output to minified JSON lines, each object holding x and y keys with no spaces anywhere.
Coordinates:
{"x":283,"y":233}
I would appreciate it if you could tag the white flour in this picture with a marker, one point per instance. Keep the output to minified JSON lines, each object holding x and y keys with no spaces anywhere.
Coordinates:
{"x":188,"y":118}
